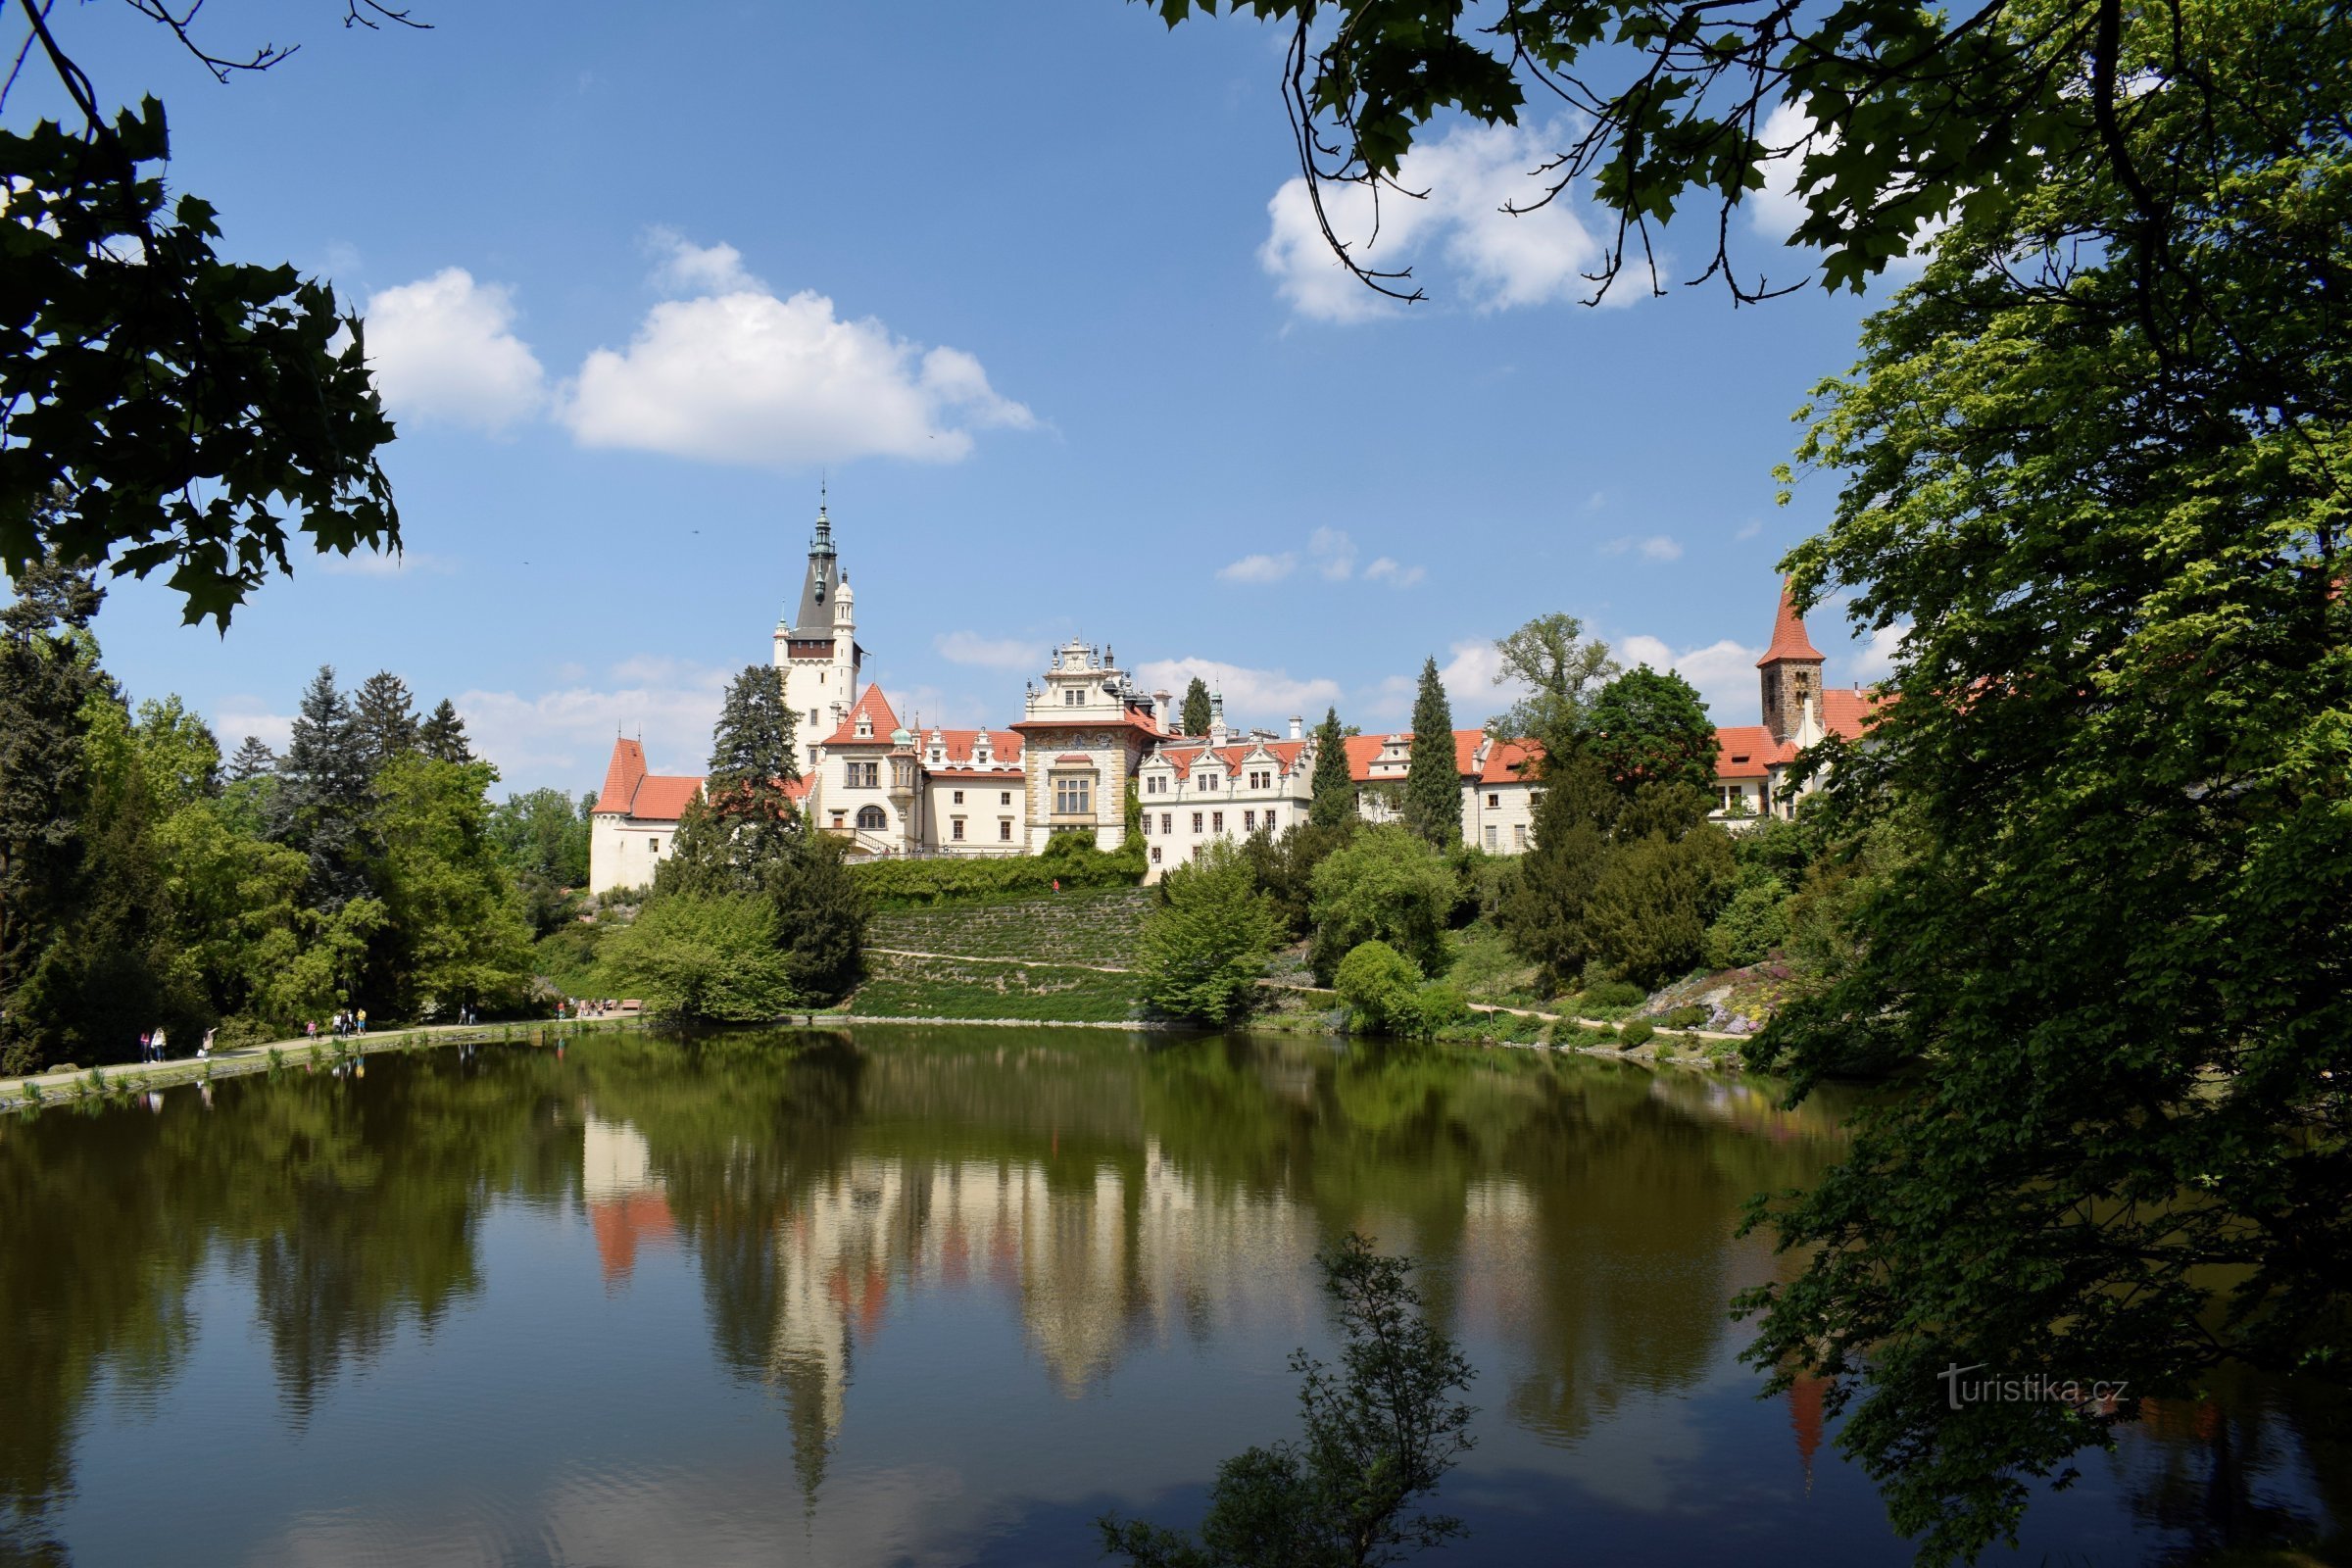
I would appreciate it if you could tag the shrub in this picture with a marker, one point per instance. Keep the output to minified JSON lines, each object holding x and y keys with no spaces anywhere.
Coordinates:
{"x":1751,"y":926}
{"x":1206,"y":943}
{"x":702,"y":958}
{"x":1437,"y":1005}
{"x":1386,"y":884}
{"x":1638,"y":1032}
{"x":1654,"y":899}
{"x":1692,"y":1015}
{"x":1615,"y":994}
{"x":1381,"y":987}
{"x":1664,"y":1047}
{"x":1069,"y":859}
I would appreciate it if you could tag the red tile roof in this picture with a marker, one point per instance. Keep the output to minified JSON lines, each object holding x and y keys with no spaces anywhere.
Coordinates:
{"x":975,"y":775}
{"x":1505,"y":761}
{"x":1285,"y":753}
{"x":958,"y":744}
{"x":1788,"y":639}
{"x":664,"y":799}
{"x":875,"y":708}
{"x":1749,"y":750}
{"x":1131,"y":720}
{"x":622,"y":776}
{"x":1073,"y":756}
{"x":1848,"y":710}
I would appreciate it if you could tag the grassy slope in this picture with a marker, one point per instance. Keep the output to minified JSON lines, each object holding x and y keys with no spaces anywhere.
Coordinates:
{"x":1068,"y":929}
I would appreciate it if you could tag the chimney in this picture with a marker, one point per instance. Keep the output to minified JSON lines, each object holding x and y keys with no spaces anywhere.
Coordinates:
{"x":1160,"y":703}
{"x":1298,"y":727}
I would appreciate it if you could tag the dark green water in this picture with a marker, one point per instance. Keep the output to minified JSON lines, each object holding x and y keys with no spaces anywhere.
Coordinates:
{"x":931,"y":1296}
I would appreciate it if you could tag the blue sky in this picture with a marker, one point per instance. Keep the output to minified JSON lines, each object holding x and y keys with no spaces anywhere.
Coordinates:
{"x":1027,"y":283}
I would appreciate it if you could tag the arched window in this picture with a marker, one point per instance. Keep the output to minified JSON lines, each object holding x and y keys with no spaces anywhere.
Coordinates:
{"x":871,"y":819}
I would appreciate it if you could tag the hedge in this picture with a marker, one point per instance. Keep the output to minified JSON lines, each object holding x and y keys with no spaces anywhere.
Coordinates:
{"x":1070,"y":860}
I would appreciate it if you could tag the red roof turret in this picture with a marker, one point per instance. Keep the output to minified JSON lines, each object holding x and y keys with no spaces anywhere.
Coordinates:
{"x":1788,"y":639}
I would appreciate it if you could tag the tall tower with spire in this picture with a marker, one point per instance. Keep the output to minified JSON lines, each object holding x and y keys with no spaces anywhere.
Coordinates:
{"x":1792,"y":671}
{"x":816,"y":644}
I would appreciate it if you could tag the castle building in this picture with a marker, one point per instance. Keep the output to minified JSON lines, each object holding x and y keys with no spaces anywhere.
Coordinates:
{"x":1754,"y":763}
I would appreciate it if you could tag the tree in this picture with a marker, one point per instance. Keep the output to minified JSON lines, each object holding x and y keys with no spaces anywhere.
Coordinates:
{"x":322,"y":801}
{"x":1284,"y":869}
{"x":699,"y":958}
{"x":820,"y":916}
{"x":442,"y":736}
{"x":1332,"y":803}
{"x":1651,"y":728}
{"x":2094,"y":461}
{"x":1545,"y":657}
{"x":1903,"y":115}
{"x":1386,"y":883}
{"x":455,"y":933}
{"x":1196,"y":711}
{"x":1379,"y":1436}
{"x":1206,"y":941}
{"x":738,"y":828}
{"x":1382,"y":989}
{"x":1647,"y":915}
{"x":1542,"y":915}
{"x":252,"y":760}
{"x":1433,"y":780}
{"x":164,"y":405}
{"x":542,"y":834}
{"x":383,"y":720}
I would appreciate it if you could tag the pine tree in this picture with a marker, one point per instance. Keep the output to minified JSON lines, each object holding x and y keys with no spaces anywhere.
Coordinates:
{"x":1542,"y":915}
{"x":252,"y":760}
{"x":384,"y":720}
{"x":1196,"y":708}
{"x":322,"y":801}
{"x":1332,"y":802}
{"x":442,"y":736}
{"x":1433,"y":787}
{"x":739,"y":828}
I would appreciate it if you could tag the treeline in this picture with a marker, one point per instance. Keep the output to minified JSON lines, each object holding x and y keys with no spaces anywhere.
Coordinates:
{"x":1626,"y":884}
{"x":146,"y":882}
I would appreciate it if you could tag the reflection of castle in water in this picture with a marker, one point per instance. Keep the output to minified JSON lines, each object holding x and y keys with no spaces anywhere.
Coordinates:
{"x":626,"y":1206}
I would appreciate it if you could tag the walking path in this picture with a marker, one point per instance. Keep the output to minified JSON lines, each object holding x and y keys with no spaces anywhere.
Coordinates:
{"x":1024,"y":963}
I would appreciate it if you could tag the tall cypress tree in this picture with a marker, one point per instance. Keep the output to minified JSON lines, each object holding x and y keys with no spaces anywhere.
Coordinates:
{"x":383,"y":719}
{"x":321,"y":803}
{"x":1332,"y":802}
{"x":1433,"y":788}
{"x":442,"y":736}
{"x":1196,"y":708}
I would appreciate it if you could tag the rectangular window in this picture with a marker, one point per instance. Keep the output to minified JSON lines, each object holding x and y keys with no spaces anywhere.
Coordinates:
{"x":1249,"y":821}
{"x":1072,"y":697}
{"x":1155,"y":855}
{"x":865,"y":775}
{"x":1144,"y":821}
{"x":812,"y":718}
{"x":1217,"y":821}
{"x":1492,"y":836}
{"x":1269,"y":820}
{"x":1519,"y":835}
{"x":654,"y":845}
{"x":841,"y":818}
{"x":1196,"y":822}
{"x":1005,"y":830}
{"x":956,"y":829}
{"x":1494,"y":800}
{"x":1004,"y":797}
{"x":1073,"y":795}
{"x":958,"y":796}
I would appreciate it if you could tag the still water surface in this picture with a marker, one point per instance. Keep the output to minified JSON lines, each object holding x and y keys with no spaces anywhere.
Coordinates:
{"x":934,"y":1295}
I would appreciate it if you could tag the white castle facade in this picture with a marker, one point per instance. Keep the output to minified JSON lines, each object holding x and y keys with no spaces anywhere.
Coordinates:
{"x":1087,"y":733}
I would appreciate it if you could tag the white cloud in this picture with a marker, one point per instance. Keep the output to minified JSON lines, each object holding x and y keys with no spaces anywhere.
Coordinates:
{"x":1333,"y":552}
{"x":1875,"y":660}
{"x":1262,"y":697}
{"x":1258,"y":569}
{"x":1751,"y":528}
{"x":989,"y":653}
{"x":748,"y":378}
{"x":1657,"y":547}
{"x":1468,"y":676}
{"x":443,"y":349}
{"x":1497,"y":260}
{"x":684,"y":267}
{"x":1775,"y":210}
{"x":239,"y":716}
{"x":1386,"y":570}
{"x":394,"y":563}
{"x":564,"y":738}
{"x":1725,"y":672}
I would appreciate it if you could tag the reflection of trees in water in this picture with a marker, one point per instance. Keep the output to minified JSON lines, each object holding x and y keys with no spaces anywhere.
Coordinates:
{"x":2231,"y":1473}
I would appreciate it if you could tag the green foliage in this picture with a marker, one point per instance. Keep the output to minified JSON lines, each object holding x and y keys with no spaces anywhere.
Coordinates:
{"x":1751,"y":927}
{"x":1332,"y":805}
{"x":1614,"y":994}
{"x":702,"y":958}
{"x":900,"y":987}
{"x":383,"y":720}
{"x":1382,"y":989}
{"x":567,"y":957}
{"x":1195,"y":709}
{"x":1284,"y":869}
{"x":544,"y":836}
{"x":912,"y":883}
{"x":1636,"y":1031}
{"x":1432,"y":804}
{"x":820,"y":916}
{"x":456,"y":934}
{"x":1384,"y":883}
{"x":1689,"y":1015}
{"x":2094,"y":461}
{"x":1207,"y":942}
{"x":1545,"y":657}
{"x":178,"y":408}
{"x":442,"y":735}
{"x":1379,"y":1436}
{"x":737,"y":827}
{"x":1651,"y":728}
{"x":1543,"y":914}
{"x":1650,"y":907}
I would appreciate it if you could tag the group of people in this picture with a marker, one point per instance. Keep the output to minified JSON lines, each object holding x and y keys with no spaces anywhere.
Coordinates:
{"x":152,"y":1047}
{"x":346,"y":1022}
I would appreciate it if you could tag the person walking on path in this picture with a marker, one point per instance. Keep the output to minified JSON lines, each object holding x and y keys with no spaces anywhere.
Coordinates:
{"x":159,"y":1044}
{"x":361,"y":1022}
{"x":146,"y":1048}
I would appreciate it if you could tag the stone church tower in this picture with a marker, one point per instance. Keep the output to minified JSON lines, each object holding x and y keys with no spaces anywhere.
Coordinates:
{"x":1791,"y":672}
{"x":817,"y":649}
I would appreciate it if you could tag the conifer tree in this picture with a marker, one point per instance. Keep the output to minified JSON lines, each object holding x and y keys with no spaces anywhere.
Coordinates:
{"x":1542,"y":915}
{"x":1332,"y":802}
{"x":251,"y":761}
{"x":384,"y":720}
{"x":1196,"y":708}
{"x":322,"y":801}
{"x":1433,"y":788}
{"x":729,"y":838}
{"x":442,"y":736}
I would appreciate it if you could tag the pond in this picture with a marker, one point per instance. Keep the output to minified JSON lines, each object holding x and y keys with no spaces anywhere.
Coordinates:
{"x":931,"y":1296}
